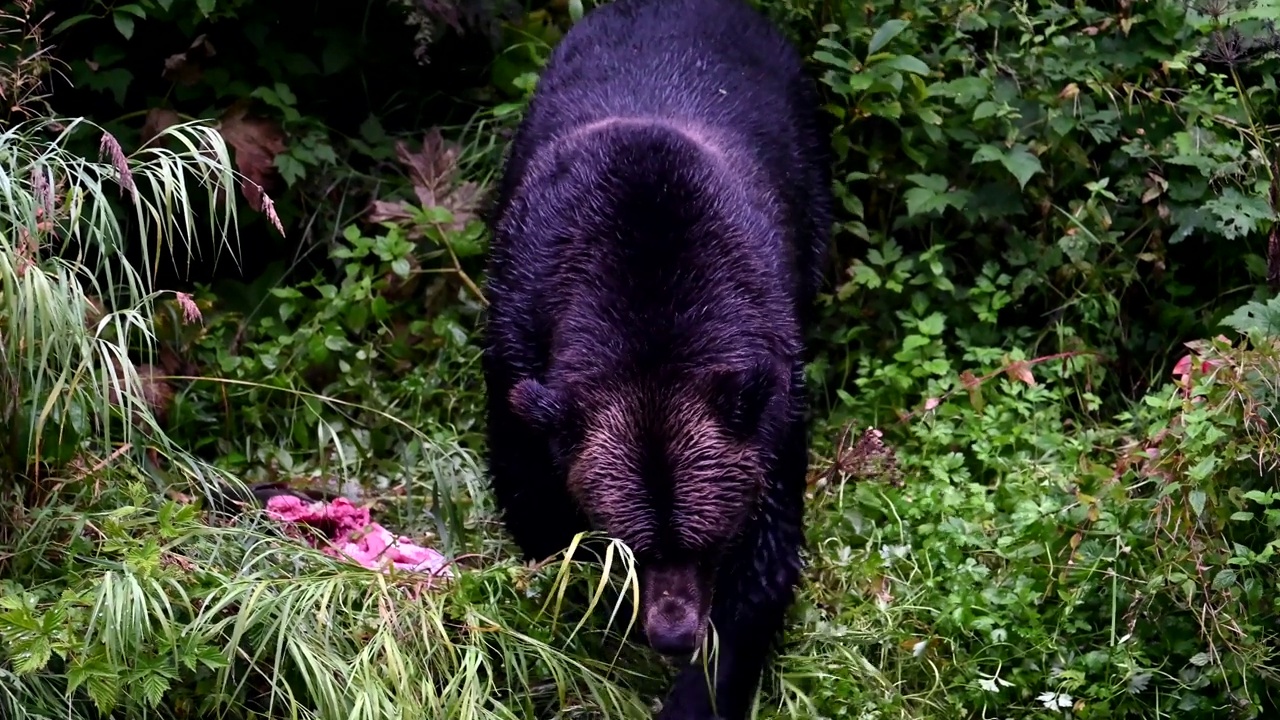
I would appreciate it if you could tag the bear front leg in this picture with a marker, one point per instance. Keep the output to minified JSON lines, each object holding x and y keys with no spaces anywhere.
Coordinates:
{"x":536,"y":507}
{"x":755,"y":588}
{"x":747,"y":627}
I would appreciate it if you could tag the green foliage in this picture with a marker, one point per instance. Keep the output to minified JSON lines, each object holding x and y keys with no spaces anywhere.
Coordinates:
{"x":307,"y":95}
{"x":301,"y":380}
{"x":177,"y":619}
{"x":71,"y":312}
{"x":1033,"y":161}
{"x":117,"y":602}
{"x":1034,"y":558}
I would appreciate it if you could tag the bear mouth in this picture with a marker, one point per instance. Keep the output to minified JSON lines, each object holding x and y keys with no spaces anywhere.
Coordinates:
{"x":675,"y":605}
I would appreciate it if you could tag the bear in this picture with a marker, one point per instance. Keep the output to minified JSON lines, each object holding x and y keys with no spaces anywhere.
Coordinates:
{"x":657,"y":240}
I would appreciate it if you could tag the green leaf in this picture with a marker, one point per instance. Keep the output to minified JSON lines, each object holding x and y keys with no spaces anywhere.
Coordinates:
{"x":920,"y":200}
{"x":285,"y":95}
{"x":1138,"y":683}
{"x":936,"y":183}
{"x":290,"y":168}
{"x":210,"y":657}
{"x":1259,"y":497}
{"x":104,"y":690}
{"x":70,"y":22}
{"x":1224,"y":579}
{"x":1022,"y":164}
{"x":371,"y":129}
{"x":1240,"y":215}
{"x":911,"y":342}
{"x":864,"y":275}
{"x":154,"y":686}
{"x":123,"y":23}
{"x":829,"y":58}
{"x":116,"y":81}
{"x":32,"y":655}
{"x":985,"y":109}
{"x":987,"y":153}
{"x":335,"y":58}
{"x":1197,"y":499}
{"x":206,"y":6}
{"x":907,"y":63}
{"x":1203,"y":469}
{"x":886,"y":33}
{"x":933,"y":325}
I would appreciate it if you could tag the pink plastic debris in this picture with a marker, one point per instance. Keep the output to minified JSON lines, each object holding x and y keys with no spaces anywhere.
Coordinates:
{"x":353,"y":535}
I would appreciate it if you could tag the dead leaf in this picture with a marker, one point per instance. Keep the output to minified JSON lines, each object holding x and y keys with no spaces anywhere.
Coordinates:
{"x":257,"y":142}
{"x":93,"y":311}
{"x":43,"y":193}
{"x":157,"y":120}
{"x":1152,"y":192}
{"x":433,"y":170}
{"x":184,"y":68}
{"x":973,"y":384}
{"x":463,"y":202}
{"x":880,"y":589}
{"x":156,"y":391}
{"x":383,"y":211}
{"x":1021,"y":371}
{"x":871,"y":457}
{"x":178,"y":497}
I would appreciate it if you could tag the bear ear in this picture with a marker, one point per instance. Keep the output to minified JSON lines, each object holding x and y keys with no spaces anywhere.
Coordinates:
{"x":540,"y":406}
{"x":742,"y":397}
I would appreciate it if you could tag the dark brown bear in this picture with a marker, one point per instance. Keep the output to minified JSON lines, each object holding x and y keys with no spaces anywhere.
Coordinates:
{"x":656,"y":245}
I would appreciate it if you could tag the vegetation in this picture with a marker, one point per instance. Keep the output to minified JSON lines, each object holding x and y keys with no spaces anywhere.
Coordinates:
{"x":240,"y":242}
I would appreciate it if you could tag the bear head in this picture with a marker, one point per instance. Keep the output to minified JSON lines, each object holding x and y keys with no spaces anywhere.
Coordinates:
{"x":672,"y":466}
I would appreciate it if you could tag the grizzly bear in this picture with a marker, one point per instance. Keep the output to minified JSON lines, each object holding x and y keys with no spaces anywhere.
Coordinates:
{"x":657,"y":240}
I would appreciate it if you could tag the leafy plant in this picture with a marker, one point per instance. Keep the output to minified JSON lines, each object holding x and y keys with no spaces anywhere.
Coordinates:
{"x":73,"y":315}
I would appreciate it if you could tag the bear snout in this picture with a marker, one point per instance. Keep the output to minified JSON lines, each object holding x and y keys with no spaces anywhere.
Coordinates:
{"x":675,"y":609}
{"x":673,"y":627}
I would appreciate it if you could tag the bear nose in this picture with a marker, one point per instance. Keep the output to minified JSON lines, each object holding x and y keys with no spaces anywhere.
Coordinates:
{"x":672,"y":628}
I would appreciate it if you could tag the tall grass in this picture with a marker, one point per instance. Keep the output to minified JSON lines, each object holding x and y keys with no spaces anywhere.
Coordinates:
{"x":173,"y":618}
{"x":116,"y":602}
{"x":74,"y":311}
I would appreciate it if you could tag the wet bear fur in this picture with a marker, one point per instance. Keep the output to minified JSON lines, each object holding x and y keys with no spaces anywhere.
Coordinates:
{"x":657,"y":241}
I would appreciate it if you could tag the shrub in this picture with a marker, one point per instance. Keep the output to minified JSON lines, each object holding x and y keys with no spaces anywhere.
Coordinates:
{"x":1060,"y":177}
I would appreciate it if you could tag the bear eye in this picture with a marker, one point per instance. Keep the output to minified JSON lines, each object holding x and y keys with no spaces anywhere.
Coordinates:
{"x":566,"y":442}
{"x":560,"y":450}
